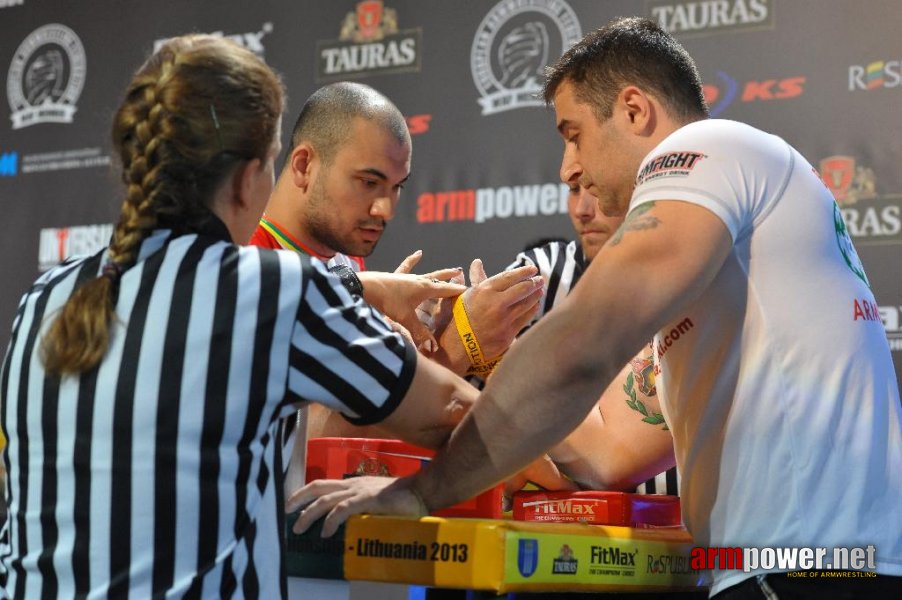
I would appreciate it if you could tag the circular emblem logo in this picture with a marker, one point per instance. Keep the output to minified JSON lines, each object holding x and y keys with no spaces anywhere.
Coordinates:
{"x":46,"y":77}
{"x":846,"y":247}
{"x":514,"y":43}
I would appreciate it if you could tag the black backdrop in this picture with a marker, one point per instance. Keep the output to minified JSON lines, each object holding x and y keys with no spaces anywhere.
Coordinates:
{"x":825,"y":74}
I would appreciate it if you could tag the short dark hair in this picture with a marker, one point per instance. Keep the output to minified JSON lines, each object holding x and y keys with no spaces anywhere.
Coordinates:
{"x":630,"y":51}
{"x":325,"y":119}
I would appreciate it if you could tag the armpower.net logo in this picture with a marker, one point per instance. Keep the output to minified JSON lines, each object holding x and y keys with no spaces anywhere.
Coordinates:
{"x":484,"y":204}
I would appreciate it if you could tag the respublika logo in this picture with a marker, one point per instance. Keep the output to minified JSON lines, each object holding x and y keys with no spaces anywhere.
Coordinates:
{"x":369,"y":43}
{"x":56,"y":244}
{"x":880,"y":74}
{"x":869,"y":217}
{"x":482,"y":204}
{"x":46,"y":77}
{"x":701,"y":17}
{"x":252,"y":40}
{"x":513,"y":44}
{"x":9,"y":164}
{"x":720,"y":93}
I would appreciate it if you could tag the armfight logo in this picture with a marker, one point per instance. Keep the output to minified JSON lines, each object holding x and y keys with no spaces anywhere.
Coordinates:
{"x":252,"y":40}
{"x":513,"y":44}
{"x":46,"y":77}
{"x":702,"y":17}
{"x":369,"y":43}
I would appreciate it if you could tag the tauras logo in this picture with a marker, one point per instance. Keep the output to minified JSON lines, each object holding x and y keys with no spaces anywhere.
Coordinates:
{"x":867,"y":216}
{"x":57,"y":244}
{"x":565,"y":564}
{"x":369,"y":43}
{"x":711,"y":16}
{"x":482,"y":204}
{"x":252,"y":40}
{"x":46,"y":77}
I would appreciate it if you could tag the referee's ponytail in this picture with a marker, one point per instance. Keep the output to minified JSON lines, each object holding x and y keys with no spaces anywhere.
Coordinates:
{"x":196,"y":109}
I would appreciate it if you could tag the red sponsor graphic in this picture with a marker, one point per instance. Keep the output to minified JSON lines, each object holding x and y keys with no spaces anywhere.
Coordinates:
{"x":848,"y":181}
{"x":786,"y":559}
{"x":418,"y":124}
{"x":369,"y":16}
{"x":597,"y":508}
{"x":724,"y":90}
{"x":866,"y":310}
{"x":666,"y":340}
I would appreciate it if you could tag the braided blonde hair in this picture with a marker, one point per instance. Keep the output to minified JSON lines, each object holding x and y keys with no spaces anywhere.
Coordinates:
{"x":195,"y":110}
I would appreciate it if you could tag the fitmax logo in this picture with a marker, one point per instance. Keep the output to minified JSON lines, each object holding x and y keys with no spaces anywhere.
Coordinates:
{"x":9,"y":164}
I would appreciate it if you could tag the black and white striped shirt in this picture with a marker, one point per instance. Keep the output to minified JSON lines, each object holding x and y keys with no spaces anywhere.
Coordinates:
{"x":157,"y":471}
{"x":561,"y":264}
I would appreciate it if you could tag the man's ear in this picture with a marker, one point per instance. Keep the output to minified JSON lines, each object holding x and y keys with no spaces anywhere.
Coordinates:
{"x":638,"y":110}
{"x":300,"y":165}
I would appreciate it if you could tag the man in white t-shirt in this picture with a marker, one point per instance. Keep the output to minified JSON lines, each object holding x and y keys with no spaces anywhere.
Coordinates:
{"x":774,"y":372}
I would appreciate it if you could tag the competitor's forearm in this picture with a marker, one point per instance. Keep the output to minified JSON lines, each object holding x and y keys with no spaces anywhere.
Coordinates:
{"x":503,"y":433}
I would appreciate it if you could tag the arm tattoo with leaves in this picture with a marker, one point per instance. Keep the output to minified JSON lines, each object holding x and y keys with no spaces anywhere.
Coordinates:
{"x":636,"y":221}
{"x":642,"y":373}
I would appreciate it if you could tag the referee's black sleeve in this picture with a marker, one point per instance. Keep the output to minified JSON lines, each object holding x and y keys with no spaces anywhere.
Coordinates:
{"x":344,"y":354}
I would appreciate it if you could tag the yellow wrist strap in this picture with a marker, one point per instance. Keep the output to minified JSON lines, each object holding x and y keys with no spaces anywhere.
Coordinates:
{"x":478,"y":363}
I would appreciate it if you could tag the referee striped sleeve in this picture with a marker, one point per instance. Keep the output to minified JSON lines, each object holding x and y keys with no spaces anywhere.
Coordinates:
{"x":344,"y":354}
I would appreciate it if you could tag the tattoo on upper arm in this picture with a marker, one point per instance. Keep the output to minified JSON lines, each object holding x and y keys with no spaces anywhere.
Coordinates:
{"x":642,"y":377}
{"x":636,"y":221}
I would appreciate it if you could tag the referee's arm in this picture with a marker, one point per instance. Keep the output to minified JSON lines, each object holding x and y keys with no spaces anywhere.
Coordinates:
{"x":348,"y":358}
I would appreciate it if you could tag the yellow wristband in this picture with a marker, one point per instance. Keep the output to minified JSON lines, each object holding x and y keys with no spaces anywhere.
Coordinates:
{"x":478,"y":363}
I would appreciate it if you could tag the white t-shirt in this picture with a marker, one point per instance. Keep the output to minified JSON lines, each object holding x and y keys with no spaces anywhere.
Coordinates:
{"x":777,"y":382}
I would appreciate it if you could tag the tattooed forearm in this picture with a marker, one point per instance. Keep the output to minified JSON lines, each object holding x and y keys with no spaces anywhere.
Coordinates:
{"x":635,"y":221}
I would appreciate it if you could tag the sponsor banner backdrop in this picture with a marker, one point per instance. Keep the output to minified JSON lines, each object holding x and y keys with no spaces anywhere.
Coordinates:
{"x":824,"y":74}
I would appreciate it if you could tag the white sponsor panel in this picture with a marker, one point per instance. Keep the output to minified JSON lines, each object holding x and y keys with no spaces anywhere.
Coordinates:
{"x":710,"y":16}
{"x":520,"y":201}
{"x":56,"y":244}
{"x":514,"y":43}
{"x":46,"y":77}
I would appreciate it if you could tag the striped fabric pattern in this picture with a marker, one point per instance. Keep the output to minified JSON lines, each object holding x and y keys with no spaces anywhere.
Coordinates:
{"x":156,"y":473}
